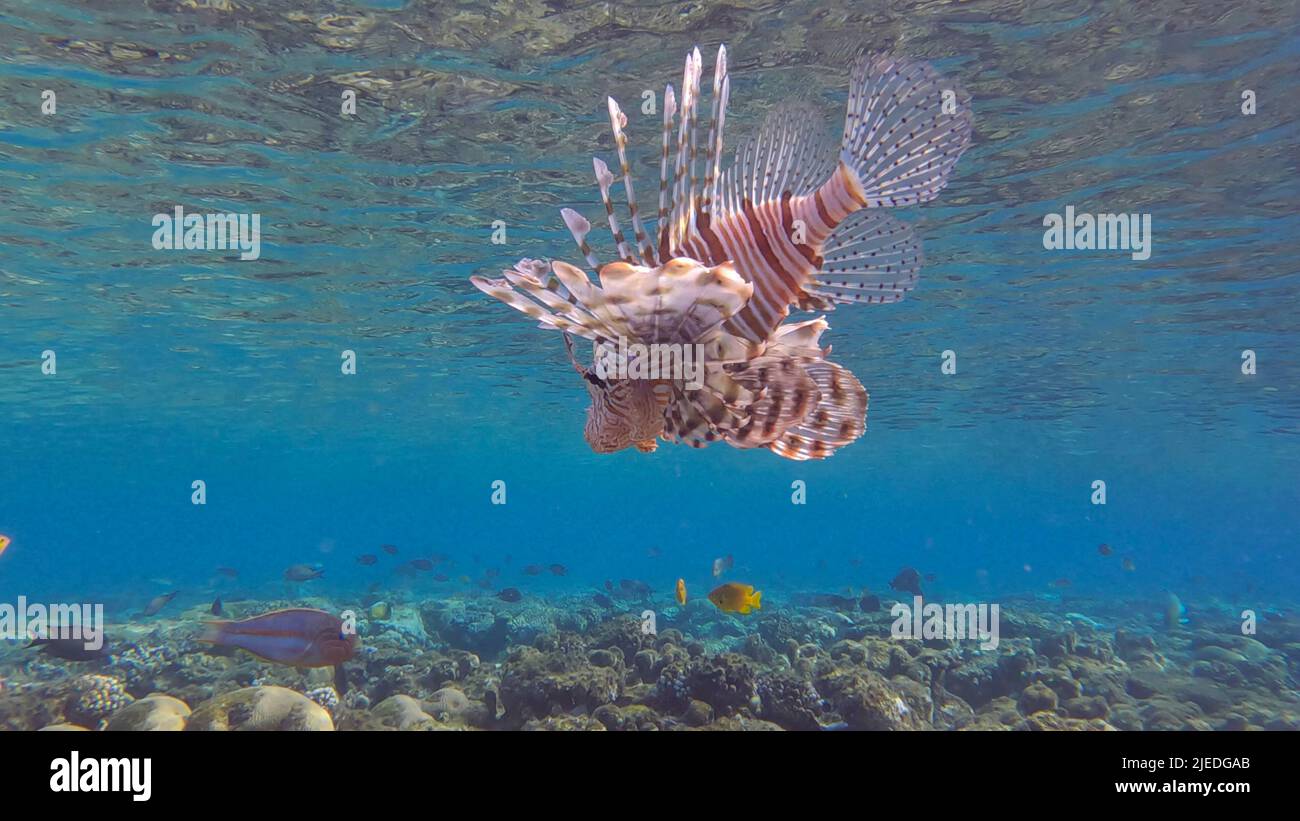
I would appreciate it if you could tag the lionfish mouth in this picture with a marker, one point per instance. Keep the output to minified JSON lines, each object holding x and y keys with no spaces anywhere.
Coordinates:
{"x":791,"y":224}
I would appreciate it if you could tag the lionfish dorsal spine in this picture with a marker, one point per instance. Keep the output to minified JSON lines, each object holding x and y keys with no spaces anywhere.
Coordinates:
{"x":617,"y":122}
{"x":717,"y":118}
{"x":579,"y":227}
{"x":670,"y":109}
{"x":605,"y":179}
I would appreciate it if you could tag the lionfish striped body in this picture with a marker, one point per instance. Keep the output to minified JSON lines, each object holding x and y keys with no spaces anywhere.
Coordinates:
{"x":787,"y":225}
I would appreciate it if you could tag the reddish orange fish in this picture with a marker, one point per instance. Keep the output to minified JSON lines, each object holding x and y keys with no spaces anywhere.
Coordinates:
{"x":1105,"y":550}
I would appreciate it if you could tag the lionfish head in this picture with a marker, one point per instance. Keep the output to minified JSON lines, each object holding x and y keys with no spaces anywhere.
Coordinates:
{"x":623,"y":413}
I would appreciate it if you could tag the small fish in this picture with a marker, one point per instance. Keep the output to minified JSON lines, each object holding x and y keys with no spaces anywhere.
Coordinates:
{"x":216,"y":606}
{"x":421,"y":564}
{"x":1105,"y":550}
{"x":632,"y":587}
{"x":228,"y":572}
{"x":440,"y":577}
{"x":5,"y":541}
{"x":722,"y":565}
{"x":558,"y":570}
{"x":381,"y":610}
{"x":1062,"y":583}
{"x":533,"y":570}
{"x":737,"y":598}
{"x":510,"y":594}
{"x":1127,"y":564}
{"x":869,"y":603}
{"x":907,"y":581}
{"x":297,"y":637}
{"x":439,"y":558}
{"x":390,"y":549}
{"x":1175,"y":614}
{"x":830,"y":601}
{"x":602,"y":600}
{"x":302,"y":573}
{"x":71,"y":649}
{"x":367,"y":559}
{"x":681,"y":591}
{"x":609,"y":585}
{"x":157,"y":603}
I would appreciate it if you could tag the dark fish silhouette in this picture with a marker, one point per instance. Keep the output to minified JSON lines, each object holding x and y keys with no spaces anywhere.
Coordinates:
{"x":390,"y":549}
{"x":1105,"y":550}
{"x":367,"y":559}
{"x":71,"y":649}
{"x":228,"y":572}
{"x":421,"y":564}
{"x":157,"y":603}
{"x":533,"y":570}
{"x":829,"y":600}
{"x":510,"y":594}
{"x":602,"y":600}
{"x":216,"y":606}
{"x":870,"y":603}
{"x":302,"y":573}
{"x":558,"y":569}
{"x":907,"y":581}
{"x":440,"y":577}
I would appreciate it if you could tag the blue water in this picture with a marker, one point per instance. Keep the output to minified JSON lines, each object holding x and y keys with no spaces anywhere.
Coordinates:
{"x":1072,"y":366}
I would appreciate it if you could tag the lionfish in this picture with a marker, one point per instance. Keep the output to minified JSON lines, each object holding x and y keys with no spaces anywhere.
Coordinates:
{"x":789,"y":224}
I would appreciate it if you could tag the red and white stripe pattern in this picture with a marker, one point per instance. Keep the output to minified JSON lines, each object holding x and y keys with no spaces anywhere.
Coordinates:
{"x":789,"y":224}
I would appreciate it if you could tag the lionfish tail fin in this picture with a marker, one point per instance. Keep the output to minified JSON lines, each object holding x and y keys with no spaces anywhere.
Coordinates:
{"x":905,"y":128}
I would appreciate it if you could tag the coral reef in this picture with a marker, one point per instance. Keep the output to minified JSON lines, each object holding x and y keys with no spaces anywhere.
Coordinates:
{"x":565,"y":663}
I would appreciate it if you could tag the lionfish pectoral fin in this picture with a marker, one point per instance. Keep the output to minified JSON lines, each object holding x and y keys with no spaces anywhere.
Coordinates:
{"x":838,"y":418}
{"x":782,"y":393}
